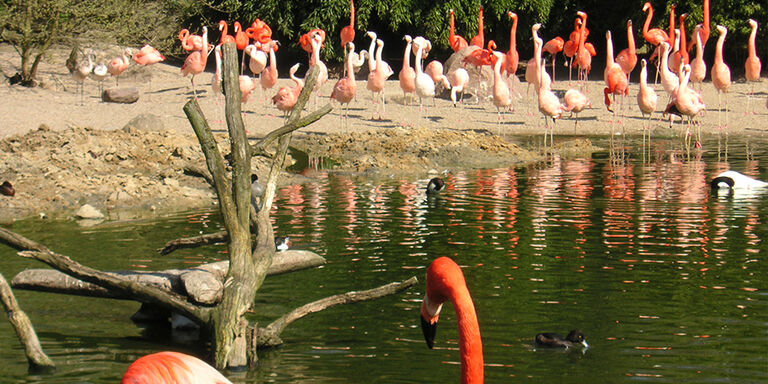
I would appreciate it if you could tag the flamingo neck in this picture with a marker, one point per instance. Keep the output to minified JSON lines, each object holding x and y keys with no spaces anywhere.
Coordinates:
{"x":513,"y":36}
{"x":672,"y":23}
{"x":699,"y":47}
{"x":582,"y":36}
{"x":378,"y":58}
{"x":418,"y":59}
{"x":272,"y":60}
{"x":751,"y":44}
{"x":406,"y":55}
{"x":470,"y":343}
{"x":643,"y":78}
{"x":352,"y":13}
{"x":630,"y":39}
{"x":608,"y":51}
{"x":451,"y":34}
{"x":683,"y":40}
{"x":223,"y":28}
{"x":350,"y":69}
{"x":719,"y":49}
{"x":372,"y":53}
{"x":647,"y":24}
{"x":706,"y":21}
{"x":480,"y":26}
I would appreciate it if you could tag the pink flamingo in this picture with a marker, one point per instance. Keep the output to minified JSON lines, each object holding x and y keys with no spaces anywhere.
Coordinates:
{"x":627,"y":58}
{"x":614,"y":76}
{"x":286,"y":97}
{"x":553,"y":47}
{"x":687,"y":101}
{"x":479,"y":39}
{"x":258,"y":58}
{"x":721,"y":75}
{"x":148,"y":56}
{"x":456,"y":42}
{"x":752,"y":65}
{"x":446,"y":282}
{"x":344,"y":90}
{"x":513,"y":58}
{"x":225,"y":38}
{"x":171,"y":367}
{"x":575,"y":102}
{"x":425,"y":86}
{"x":407,"y":75}
{"x":347,"y":33}
{"x":501,"y":97}
{"x":377,"y":78}
{"x":268,"y":77}
{"x":669,"y":81}
{"x":583,"y":56}
{"x":322,"y":76}
{"x":196,"y":61}
{"x":435,"y":70}
{"x":459,"y":79}
{"x":119,"y":64}
{"x":698,"y":66}
{"x":549,"y":104}
{"x":646,"y":98}
{"x":191,"y":42}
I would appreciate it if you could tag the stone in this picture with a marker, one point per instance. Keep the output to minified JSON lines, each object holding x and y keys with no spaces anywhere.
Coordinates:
{"x":120,"y":95}
{"x":87,"y":211}
{"x":145,"y":122}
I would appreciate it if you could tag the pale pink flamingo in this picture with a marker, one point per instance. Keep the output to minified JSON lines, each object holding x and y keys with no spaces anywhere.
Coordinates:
{"x":258,"y":58}
{"x":425,"y":86}
{"x":81,"y":72}
{"x":583,"y":56}
{"x":347,"y":33}
{"x":512,"y":59}
{"x":268,"y":77}
{"x":344,"y":90}
{"x":435,"y":70}
{"x":100,"y":73}
{"x":687,"y":101}
{"x":646,"y":99}
{"x":445,"y":282}
{"x":171,"y":367}
{"x":407,"y":75}
{"x":456,"y":42}
{"x":553,"y":47}
{"x":501,"y":96}
{"x":377,"y":77}
{"x":247,"y":85}
{"x":196,"y":61}
{"x":322,"y":76}
{"x":479,"y":39}
{"x":549,"y":104}
{"x":459,"y":79}
{"x":286,"y":97}
{"x":627,"y":58}
{"x":752,"y":65}
{"x":147,"y":56}
{"x":721,"y":75}
{"x":119,"y":64}
{"x":698,"y":66}
{"x":575,"y":102}
{"x":669,"y":81}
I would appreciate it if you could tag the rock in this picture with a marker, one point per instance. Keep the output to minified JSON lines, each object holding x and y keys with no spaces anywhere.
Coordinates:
{"x":87,"y":211}
{"x":145,"y":122}
{"x":171,"y":182}
{"x":120,"y":95}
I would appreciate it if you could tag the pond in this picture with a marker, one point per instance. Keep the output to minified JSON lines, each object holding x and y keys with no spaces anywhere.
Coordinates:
{"x":666,"y":279}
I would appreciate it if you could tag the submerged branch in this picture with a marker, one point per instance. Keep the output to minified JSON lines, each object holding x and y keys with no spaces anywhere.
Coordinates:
{"x":193,"y":242}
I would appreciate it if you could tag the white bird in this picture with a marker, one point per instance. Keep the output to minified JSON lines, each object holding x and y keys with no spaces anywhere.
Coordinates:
{"x":100,"y":74}
{"x":425,"y":86}
{"x":81,"y":72}
{"x":735,"y":180}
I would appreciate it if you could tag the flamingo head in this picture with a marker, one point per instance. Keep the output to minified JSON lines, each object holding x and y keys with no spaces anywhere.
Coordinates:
{"x":512,"y":15}
{"x":697,"y":28}
{"x":408,"y":38}
{"x":643,"y":63}
{"x":351,"y":47}
{"x":443,"y":277}
{"x":451,"y":11}
{"x":607,"y":35}
{"x":672,"y":8}
{"x":683,"y":17}
{"x":647,"y":6}
{"x":495,"y":56}
{"x":371,"y":34}
{"x":664,"y":46}
{"x":237,"y":27}
{"x":183,"y":34}
{"x":582,"y":14}
{"x":222,"y":25}
{"x":379,"y":43}
{"x":752,"y":23}
{"x":722,"y":30}
{"x":536,"y":27}
{"x":629,"y":23}
{"x":491,"y":46}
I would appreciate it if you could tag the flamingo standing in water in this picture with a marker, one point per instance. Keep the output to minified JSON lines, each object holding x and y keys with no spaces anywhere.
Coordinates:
{"x":171,"y":367}
{"x":407,"y":75}
{"x":286,"y":97}
{"x":456,"y":42}
{"x":512,"y":59}
{"x":698,"y":66}
{"x":344,"y":90}
{"x":445,"y":282}
{"x":646,"y":99}
{"x":627,"y":58}
{"x":119,"y":64}
{"x":721,"y":75}
{"x":347,"y":33}
{"x":688,"y":103}
{"x":479,"y":39}
{"x":752,"y":65}
{"x":195,"y":62}
{"x":553,"y":47}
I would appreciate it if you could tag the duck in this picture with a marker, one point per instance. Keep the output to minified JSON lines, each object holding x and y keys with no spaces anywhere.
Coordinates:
{"x":555,"y":340}
{"x":282,"y":243}
{"x":435,"y":185}
{"x":736,"y":180}
{"x":257,"y":191}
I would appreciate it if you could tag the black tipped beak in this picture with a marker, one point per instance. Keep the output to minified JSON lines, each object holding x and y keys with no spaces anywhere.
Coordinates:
{"x":429,"y":331}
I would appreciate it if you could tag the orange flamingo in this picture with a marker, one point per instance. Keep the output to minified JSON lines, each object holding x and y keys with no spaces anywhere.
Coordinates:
{"x":627,"y":58}
{"x":614,"y":76}
{"x":286,"y":97}
{"x":456,"y":42}
{"x":305,"y":41}
{"x":572,"y":45}
{"x":553,"y":47}
{"x":347,"y":33}
{"x":407,"y":75}
{"x":671,"y":34}
{"x":752,"y":65}
{"x":479,"y":39}
{"x":704,"y":32}
{"x":510,"y":64}
{"x":583,"y":56}
{"x":655,"y":35}
{"x":680,"y":57}
{"x":241,"y":38}
{"x":260,"y":32}
{"x":191,"y":42}
{"x":698,"y":66}
{"x":196,"y":61}
{"x":721,"y":75}
{"x":119,"y":64}
{"x":646,"y":98}
{"x":344,"y":90}
{"x":171,"y":367}
{"x":225,"y":38}
{"x":445,"y":282}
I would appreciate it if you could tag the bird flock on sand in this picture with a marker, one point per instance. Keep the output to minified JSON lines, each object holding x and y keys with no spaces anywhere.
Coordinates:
{"x":678,"y":71}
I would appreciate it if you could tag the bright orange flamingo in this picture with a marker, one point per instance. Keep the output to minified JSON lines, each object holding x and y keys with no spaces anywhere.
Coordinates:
{"x":572,"y":45}
{"x":479,"y":39}
{"x":680,"y":57}
{"x":513,"y":58}
{"x":445,"y":282}
{"x":241,"y":38}
{"x":260,"y":32}
{"x":171,"y":367}
{"x":286,"y":97}
{"x":456,"y":42}
{"x":655,"y":35}
{"x":225,"y":38}
{"x":752,"y":65}
{"x":721,"y":75}
{"x":698,"y":67}
{"x":196,"y":61}
{"x":347,"y":33}
{"x":704,"y":32}
{"x":344,"y":90}
{"x":583,"y":56}
{"x":614,"y":76}
{"x":627,"y":58}
{"x":646,"y":99}
{"x":553,"y":47}
{"x":407,"y":75}
{"x":671,"y":33}
{"x":305,"y":41}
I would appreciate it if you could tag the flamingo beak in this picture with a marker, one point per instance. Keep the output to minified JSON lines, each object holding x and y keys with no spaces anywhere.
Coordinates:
{"x":429,"y":330}
{"x":429,"y":316}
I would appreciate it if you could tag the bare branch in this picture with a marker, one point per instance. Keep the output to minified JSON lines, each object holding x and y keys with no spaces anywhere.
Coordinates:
{"x":260,"y":147}
{"x":194,"y":170}
{"x":193,"y":242}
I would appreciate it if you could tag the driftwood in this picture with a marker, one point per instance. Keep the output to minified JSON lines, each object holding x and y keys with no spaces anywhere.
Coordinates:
{"x":120,"y":95}
{"x":38,"y":360}
{"x":202,"y":284}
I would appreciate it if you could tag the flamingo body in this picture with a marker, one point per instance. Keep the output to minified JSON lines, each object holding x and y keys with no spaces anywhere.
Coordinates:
{"x":172,"y":367}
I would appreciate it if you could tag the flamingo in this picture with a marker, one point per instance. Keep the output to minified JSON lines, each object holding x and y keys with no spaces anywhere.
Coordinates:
{"x":687,"y":101}
{"x":344,"y":90}
{"x":286,"y":97}
{"x":241,"y":38}
{"x":191,"y":42}
{"x":615,"y":78}
{"x":510,"y":63}
{"x":459,"y":79}
{"x":119,"y":64}
{"x":347,"y":33}
{"x":225,"y":38}
{"x":669,"y":81}
{"x":435,"y":70}
{"x":305,"y":41}
{"x":721,"y":74}
{"x":425,"y":86}
{"x":456,"y":42}
{"x":260,"y":32}
{"x":195,"y":62}
{"x":572,"y":45}
{"x":171,"y":367}
{"x":377,"y":77}
{"x":646,"y":98}
{"x":81,"y":72}
{"x":575,"y":102}
{"x":268,"y":77}
{"x":671,"y":34}
{"x":445,"y":281}
{"x":479,"y":39}
{"x":322,"y":76}
{"x":407,"y":74}
{"x":674,"y":58}
{"x":583,"y":56}
{"x":148,"y":56}
{"x":501,"y":98}
{"x":704,"y":32}
{"x":100,"y":73}
{"x":655,"y":35}
{"x":698,"y":66}
{"x":627,"y":58}
{"x":549,"y":104}
{"x":553,"y":47}
{"x":258,"y":60}
{"x":752,"y":65}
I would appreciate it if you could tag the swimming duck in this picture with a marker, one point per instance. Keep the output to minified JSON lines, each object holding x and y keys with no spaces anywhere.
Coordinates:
{"x":282,"y":243}
{"x":435,"y":185}
{"x":555,"y":340}
{"x":736,"y":180}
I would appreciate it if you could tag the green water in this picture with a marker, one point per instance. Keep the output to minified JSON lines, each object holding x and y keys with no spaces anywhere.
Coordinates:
{"x":666,"y":280}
